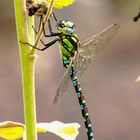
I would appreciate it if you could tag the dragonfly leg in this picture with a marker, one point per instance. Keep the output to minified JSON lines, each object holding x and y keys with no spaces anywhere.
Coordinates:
{"x":54,"y":17}
{"x":46,"y":45}
{"x":50,"y":29}
{"x":49,"y":44}
{"x":36,"y":33}
{"x":31,"y":44}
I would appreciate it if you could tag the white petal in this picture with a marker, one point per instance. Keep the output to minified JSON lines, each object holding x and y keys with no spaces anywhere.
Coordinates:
{"x":66,"y":131}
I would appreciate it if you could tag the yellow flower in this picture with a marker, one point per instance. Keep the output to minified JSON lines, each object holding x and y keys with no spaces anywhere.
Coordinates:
{"x":13,"y":130}
{"x":59,"y":3}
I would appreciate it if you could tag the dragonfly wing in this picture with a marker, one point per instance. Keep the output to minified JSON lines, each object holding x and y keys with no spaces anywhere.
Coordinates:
{"x":98,"y":42}
{"x":89,"y":49}
{"x":62,"y":87}
{"x":63,"y":84}
{"x":81,"y":65}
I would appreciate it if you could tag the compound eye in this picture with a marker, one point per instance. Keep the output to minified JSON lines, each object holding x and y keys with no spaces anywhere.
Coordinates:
{"x":70,"y":24}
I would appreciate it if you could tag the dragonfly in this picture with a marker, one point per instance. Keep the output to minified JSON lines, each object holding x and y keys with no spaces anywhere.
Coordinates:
{"x":76,"y":58}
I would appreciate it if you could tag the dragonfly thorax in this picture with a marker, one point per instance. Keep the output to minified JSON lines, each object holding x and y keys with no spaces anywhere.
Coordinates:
{"x":66,"y":27}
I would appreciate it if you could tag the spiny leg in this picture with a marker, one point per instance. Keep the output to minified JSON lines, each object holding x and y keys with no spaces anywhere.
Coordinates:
{"x":49,"y":44}
{"x":55,"y":17}
{"x":46,"y":45}
{"x":51,"y":35}
{"x":50,"y":29}
{"x":40,"y":39}
{"x":43,"y":28}
{"x":41,"y":22}
{"x":36,"y":33}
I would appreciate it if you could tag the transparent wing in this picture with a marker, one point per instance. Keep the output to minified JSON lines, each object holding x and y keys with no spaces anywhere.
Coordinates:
{"x":62,"y":87}
{"x":64,"y":82}
{"x":85,"y":56}
{"x":93,"y":45}
{"x":98,"y":42}
{"x":81,"y":65}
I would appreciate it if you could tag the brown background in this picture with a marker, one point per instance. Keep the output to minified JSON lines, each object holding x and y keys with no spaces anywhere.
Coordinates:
{"x":112,"y":96}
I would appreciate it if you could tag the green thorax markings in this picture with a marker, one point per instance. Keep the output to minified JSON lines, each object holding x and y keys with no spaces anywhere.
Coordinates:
{"x":68,"y":45}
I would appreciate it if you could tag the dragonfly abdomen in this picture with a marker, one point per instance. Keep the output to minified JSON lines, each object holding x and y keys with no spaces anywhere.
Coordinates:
{"x":84,"y":109}
{"x":82,"y":103}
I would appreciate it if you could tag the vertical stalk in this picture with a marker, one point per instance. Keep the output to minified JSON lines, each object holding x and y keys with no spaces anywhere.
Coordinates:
{"x":27,"y":67}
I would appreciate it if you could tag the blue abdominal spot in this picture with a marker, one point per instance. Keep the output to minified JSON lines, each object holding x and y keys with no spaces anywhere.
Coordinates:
{"x":66,"y":62}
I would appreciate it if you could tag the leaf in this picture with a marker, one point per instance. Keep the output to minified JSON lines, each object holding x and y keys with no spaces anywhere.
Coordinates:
{"x":11,"y":130}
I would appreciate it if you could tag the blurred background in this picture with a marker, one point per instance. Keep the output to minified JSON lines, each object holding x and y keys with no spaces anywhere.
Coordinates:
{"x":112,"y":95}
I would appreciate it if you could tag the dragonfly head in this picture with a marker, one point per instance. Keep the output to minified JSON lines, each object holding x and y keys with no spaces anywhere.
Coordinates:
{"x":66,"y":27}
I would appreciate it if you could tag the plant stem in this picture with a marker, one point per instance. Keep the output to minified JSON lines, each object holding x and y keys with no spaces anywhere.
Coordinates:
{"x":27,"y":67}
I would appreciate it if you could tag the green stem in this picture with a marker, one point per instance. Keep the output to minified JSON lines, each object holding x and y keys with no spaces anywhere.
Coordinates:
{"x":27,"y":67}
